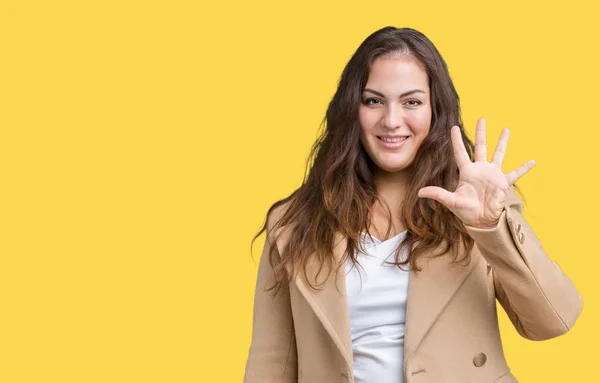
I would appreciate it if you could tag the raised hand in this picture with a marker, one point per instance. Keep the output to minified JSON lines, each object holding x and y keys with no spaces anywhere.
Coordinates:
{"x":480,"y":196}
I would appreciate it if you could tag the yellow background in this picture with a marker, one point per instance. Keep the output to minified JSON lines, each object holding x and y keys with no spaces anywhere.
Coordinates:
{"x":143,"y":141}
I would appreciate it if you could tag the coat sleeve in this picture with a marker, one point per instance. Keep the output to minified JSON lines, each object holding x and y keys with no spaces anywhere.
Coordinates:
{"x":540,"y":300}
{"x":272,"y":356}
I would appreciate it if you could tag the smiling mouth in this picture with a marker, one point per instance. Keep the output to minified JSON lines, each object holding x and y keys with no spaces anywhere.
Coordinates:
{"x":392,"y":139}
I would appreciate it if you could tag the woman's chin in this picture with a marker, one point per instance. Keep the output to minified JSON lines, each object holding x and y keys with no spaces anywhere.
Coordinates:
{"x":392,"y":168}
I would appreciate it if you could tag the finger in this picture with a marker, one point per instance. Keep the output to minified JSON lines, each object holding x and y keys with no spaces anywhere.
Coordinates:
{"x":498,"y":156}
{"x":513,"y":176}
{"x":480,"y":142}
{"x":441,"y":195}
{"x":460,"y":152}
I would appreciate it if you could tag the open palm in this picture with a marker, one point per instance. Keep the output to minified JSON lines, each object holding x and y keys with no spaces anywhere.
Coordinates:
{"x":481,"y":192}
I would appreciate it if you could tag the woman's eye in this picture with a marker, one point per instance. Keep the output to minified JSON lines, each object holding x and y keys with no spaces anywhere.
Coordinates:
{"x":371,"y":101}
{"x":413,"y":102}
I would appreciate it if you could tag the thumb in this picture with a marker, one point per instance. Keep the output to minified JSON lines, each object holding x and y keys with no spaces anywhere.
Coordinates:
{"x":439,"y":194}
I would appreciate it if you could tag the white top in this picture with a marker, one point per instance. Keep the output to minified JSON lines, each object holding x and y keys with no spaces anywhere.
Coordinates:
{"x":377,"y":308}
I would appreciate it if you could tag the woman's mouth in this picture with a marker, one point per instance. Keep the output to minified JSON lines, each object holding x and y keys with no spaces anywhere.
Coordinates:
{"x":392,"y":142}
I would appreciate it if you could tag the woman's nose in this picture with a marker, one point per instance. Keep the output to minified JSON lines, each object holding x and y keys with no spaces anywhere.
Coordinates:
{"x":393,"y":117}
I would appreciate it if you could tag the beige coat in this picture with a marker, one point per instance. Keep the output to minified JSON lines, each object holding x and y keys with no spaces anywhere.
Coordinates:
{"x":303,"y":335}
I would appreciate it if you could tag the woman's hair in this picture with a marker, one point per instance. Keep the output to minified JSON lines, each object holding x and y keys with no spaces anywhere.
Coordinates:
{"x":338,"y":192}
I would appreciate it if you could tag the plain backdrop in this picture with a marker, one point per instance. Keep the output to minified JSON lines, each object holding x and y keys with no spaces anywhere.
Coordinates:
{"x":142,"y":142}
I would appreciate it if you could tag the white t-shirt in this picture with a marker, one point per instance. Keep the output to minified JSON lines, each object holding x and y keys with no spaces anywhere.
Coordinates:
{"x":377,"y":308}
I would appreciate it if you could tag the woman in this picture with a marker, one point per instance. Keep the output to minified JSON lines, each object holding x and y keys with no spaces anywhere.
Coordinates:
{"x":385,"y":265}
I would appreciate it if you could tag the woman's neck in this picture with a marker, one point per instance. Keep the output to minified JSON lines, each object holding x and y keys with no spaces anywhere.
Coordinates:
{"x":391,"y":189}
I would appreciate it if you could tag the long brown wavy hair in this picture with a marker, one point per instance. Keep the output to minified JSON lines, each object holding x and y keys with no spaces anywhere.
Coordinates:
{"x":338,"y":193}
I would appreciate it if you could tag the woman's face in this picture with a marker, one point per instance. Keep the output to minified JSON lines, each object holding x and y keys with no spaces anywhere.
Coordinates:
{"x":395,"y":112}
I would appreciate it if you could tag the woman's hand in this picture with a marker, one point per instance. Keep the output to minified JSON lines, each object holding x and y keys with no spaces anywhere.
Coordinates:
{"x":479,"y":198}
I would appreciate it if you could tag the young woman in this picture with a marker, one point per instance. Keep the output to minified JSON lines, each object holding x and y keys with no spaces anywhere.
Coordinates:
{"x":385,"y":265}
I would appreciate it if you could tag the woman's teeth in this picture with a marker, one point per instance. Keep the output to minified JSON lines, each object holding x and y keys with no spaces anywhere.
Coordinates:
{"x":394,"y":139}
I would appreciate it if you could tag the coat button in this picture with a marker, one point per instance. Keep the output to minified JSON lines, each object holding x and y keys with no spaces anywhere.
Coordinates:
{"x":479,"y":359}
{"x":518,"y":228}
{"x":521,"y":238}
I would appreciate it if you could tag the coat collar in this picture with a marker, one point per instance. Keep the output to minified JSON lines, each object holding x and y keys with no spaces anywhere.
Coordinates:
{"x":429,"y":291}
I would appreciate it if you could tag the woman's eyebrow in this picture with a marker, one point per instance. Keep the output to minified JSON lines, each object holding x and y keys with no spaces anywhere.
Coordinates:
{"x":402,"y":95}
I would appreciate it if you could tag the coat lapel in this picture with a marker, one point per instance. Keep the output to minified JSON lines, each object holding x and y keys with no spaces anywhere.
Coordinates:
{"x":429,"y":292}
{"x":329,"y":301}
